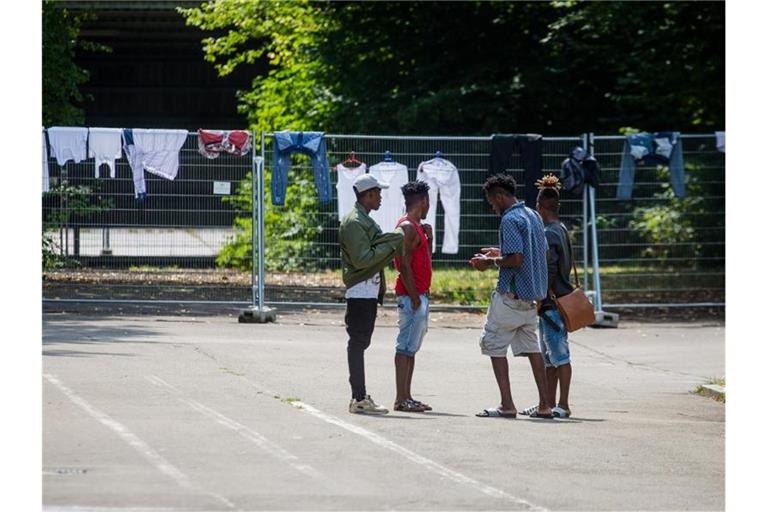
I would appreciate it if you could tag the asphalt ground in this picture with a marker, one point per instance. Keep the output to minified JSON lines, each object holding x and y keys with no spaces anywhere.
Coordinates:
{"x":194,"y":411}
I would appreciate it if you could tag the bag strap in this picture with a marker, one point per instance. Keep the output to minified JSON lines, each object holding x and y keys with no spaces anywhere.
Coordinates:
{"x":573,"y":260}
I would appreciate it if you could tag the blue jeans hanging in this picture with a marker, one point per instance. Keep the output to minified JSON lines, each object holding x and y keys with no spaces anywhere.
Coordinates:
{"x":309,"y":143}
{"x":653,"y":150}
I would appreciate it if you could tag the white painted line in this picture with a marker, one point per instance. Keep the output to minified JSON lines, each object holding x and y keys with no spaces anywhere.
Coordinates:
{"x":78,"y":508}
{"x":416,"y":458}
{"x":410,"y":455}
{"x":133,"y":440}
{"x":248,"y":433}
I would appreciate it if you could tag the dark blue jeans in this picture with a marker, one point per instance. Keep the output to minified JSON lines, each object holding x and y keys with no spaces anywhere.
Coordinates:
{"x":308,"y":143}
{"x":675,"y":162}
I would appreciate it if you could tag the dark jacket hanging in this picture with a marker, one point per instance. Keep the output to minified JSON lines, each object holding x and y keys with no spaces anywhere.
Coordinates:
{"x":529,"y":147}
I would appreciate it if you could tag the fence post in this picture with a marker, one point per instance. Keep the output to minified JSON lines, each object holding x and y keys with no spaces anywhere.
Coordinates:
{"x":257,"y":313}
{"x":585,"y":220}
{"x":254,"y":204}
{"x":602,"y":318}
{"x":106,"y":250}
{"x":65,"y":209}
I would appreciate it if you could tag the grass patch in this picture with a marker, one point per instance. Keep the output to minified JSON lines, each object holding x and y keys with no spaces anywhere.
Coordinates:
{"x":458,"y":286}
{"x":717,"y":381}
{"x":466,"y":286}
{"x":291,"y":400}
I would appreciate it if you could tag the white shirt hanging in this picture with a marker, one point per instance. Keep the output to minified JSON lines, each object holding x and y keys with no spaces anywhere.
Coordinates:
{"x":344,"y":191}
{"x":104,"y":145}
{"x":720,"y":140}
{"x":392,"y":201}
{"x":68,"y":143}
{"x":156,"y":151}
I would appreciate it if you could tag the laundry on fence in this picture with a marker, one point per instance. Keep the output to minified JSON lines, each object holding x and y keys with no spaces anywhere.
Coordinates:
{"x":105,"y":146}
{"x":529,"y":148}
{"x":720,"y":141}
{"x":659,"y":148}
{"x":344,"y":192}
{"x":311,"y":144}
{"x":212,"y":143}
{"x":46,"y":178}
{"x":443,"y":180}
{"x":68,"y":143}
{"x":392,"y":201}
{"x":152,"y":150}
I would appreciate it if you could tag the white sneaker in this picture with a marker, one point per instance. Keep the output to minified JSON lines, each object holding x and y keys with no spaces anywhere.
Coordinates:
{"x":366,"y":406}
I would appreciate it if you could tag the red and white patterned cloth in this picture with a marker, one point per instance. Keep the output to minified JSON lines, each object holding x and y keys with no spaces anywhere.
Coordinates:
{"x":214,"y":142}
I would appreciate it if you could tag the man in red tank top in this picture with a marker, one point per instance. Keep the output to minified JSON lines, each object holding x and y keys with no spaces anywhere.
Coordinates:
{"x":412,"y":288}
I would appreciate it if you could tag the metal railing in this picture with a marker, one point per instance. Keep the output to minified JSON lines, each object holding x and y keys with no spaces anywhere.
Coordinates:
{"x":108,"y":245}
{"x":653,"y":249}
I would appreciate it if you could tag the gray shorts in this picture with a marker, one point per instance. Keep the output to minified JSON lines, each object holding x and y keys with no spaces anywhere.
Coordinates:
{"x":510,"y":323}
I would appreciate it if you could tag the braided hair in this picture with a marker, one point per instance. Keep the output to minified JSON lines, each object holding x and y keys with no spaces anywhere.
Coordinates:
{"x":549,"y":197}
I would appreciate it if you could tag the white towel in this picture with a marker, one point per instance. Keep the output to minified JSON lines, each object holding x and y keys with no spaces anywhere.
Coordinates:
{"x":104,"y":144}
{"x":46,"y":180}
{"x":68,"y":143}
{"x":156,"y":151}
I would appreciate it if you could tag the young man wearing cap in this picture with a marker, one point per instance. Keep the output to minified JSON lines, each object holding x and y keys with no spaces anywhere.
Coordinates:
{"x":365,"y":251}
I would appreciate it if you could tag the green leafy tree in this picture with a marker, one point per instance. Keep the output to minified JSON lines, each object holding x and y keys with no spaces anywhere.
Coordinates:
{"x":291,"y":96}
{"x":659,"y":65}
{"x":474,"y":67}
{"x":62,"y":77}
{"x":471,"y":67}
{"x":287,"y":34}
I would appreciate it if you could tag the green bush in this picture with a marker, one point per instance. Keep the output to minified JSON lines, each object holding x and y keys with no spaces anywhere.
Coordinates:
{"x":70,"y":203}
{"x":290,"y":231}
{"x":668,"y":228}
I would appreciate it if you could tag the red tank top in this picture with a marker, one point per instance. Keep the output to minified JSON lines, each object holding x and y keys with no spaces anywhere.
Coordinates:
{"x":421,"y":263}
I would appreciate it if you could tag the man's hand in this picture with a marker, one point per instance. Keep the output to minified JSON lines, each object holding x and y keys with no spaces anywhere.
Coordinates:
{"x":491,"y":252}
{"x":481,"y":262}
{"x":428,"y":232}
{"x":415,"y":302}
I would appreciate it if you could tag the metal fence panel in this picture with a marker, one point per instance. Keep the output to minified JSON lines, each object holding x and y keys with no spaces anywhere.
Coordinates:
{"x":656,"y":248}
{"x":478,"y":224}
{"x":112,"y":246}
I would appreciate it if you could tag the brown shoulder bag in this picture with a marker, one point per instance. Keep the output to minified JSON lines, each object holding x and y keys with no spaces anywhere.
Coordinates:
{"x":574,"y":308}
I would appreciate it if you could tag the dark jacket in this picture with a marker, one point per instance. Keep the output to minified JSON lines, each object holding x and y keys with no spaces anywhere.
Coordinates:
{"x":365,"y":250}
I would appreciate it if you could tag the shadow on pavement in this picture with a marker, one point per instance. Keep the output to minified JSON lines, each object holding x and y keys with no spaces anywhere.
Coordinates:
{"x":84,"y":334}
